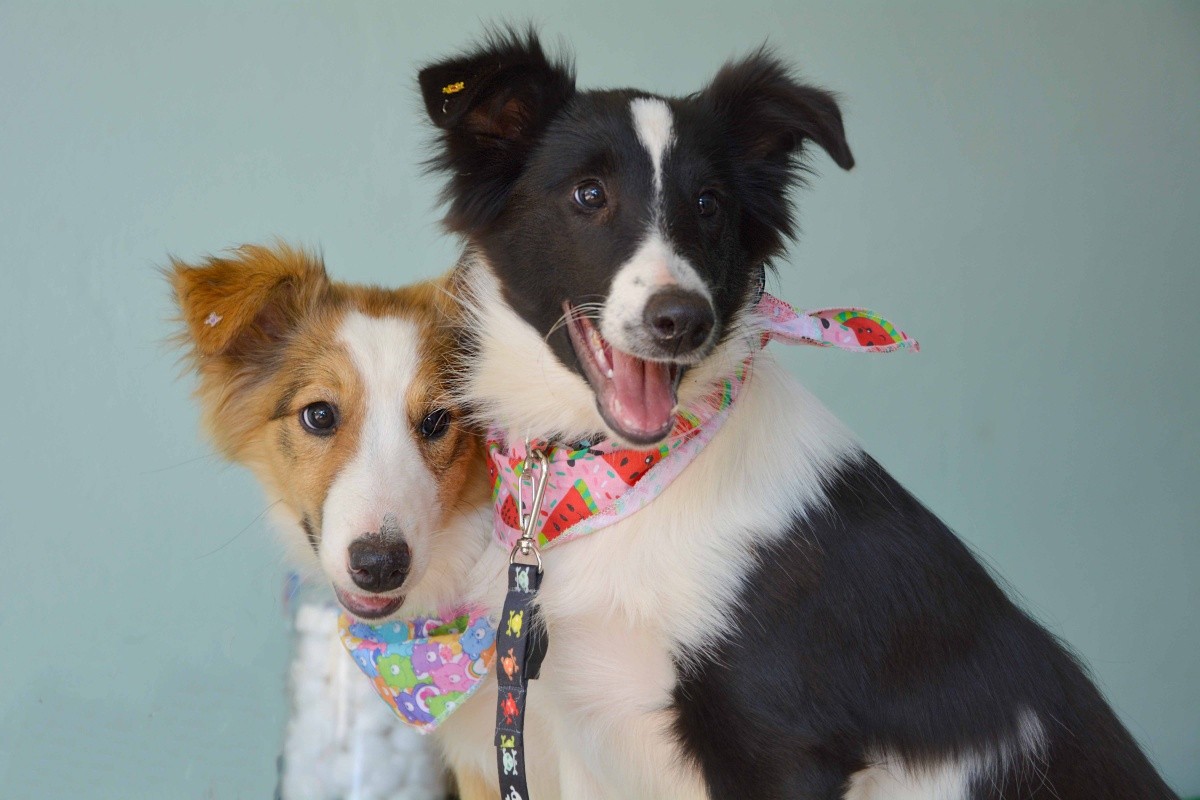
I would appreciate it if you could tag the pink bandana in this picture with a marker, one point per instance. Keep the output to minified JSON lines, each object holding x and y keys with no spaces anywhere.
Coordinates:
{"x":426,"y":667}
{"x":591,"y":486}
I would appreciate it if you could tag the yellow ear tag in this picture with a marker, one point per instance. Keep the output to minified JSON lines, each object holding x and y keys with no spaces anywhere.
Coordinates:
{"x":454,"y":88}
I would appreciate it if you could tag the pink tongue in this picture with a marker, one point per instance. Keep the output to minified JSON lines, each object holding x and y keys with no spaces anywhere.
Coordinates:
{"x":368,"y":602}
{"x":643,"y":394}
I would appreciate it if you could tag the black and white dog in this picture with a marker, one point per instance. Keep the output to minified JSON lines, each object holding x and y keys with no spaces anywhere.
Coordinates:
{"x":785,"y":620}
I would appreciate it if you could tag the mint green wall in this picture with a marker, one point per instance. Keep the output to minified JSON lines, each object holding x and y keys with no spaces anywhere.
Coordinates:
{"x":1026,"y":202}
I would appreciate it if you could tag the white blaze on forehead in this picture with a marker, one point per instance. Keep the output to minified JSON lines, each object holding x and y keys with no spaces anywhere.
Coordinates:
{"x":653,"y":122}
{"x":655,"y":265}
{"x":386,"y":475}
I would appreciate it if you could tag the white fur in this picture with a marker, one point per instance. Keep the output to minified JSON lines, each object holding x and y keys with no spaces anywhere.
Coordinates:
{"x":890,"y":778}
{"x":654,"y":125}
{"x":659,"y":582}
{"x":621,"y":602}
{"x":387,"y":477}
{"x":514,"y":376}
{"x":654,"y":266}
{"x":517,"y":381}
{"x":341,"y":741}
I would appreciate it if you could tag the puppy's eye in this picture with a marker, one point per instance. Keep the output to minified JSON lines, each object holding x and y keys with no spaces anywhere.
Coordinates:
{"x":319,"y":418}
{"x":590,"y":195}
{"x":706,"y":204}
{"x":436,"y":423}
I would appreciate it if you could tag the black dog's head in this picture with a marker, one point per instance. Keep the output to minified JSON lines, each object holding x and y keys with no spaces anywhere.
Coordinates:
{"x":627,"y":229}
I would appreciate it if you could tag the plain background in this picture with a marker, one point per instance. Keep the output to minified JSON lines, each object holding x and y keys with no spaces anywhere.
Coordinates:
{"x":1026,"y":202}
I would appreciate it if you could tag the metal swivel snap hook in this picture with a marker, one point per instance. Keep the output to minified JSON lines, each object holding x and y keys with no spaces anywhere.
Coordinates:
{"x":526,"y":545}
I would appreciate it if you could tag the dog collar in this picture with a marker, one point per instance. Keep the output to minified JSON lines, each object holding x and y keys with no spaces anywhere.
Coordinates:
{"x":592,"y":485}
{"x":426,"y":667}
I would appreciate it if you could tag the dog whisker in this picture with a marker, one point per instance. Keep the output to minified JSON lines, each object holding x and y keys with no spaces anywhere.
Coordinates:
{"x":234,"y":538}
{"x":205,"y":457}
{"x":577,"y":312}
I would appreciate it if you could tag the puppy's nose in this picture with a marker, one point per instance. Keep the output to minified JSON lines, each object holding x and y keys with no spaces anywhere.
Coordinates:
{"x":378,"y":564}
{"x":679,"y":321}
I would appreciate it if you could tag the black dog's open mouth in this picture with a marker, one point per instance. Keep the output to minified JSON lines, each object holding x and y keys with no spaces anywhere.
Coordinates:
{"x":636,"y":397}
{"x":367,"y":606}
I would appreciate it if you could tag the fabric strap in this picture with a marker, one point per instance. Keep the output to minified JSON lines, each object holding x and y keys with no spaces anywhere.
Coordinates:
{"x":521,"y":644}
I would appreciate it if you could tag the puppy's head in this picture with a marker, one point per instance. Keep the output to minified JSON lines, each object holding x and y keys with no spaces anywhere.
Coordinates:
{"x":627,"y":229}
{"x":337,"y":397}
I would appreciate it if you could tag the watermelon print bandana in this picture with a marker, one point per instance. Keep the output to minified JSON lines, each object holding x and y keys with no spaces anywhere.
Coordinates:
{"x":426,"y":667}
{"x":593,"y":485}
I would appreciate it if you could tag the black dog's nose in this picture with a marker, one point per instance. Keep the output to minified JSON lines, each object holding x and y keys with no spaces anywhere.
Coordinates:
{"x":378,"y":564}
{"x":679,"y":321}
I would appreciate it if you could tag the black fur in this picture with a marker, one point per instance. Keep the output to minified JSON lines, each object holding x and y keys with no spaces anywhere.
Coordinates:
{"x":492,"y":104}
{"x":517,"y":138}
{"x":310,"y":533}
{"x":870,"y":628}
{"x":884,"y":633}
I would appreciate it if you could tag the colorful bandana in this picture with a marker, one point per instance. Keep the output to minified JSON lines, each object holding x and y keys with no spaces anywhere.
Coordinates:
{"x":592,"y":486}
{"x":426,"y":667}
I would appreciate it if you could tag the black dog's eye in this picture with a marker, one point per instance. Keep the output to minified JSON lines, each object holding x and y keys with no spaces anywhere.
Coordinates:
{"x":706,"y":204}
{"x":319,"y":418}
{"x":590,"y":195}
{"x":436,"y":423}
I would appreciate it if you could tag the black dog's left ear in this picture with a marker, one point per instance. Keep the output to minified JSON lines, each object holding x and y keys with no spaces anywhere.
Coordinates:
{"x":772,"y":115}
{"x":768,"y":119}
{"x":492,"y":104}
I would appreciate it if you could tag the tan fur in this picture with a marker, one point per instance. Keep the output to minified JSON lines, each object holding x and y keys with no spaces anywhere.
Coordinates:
{"x":472,"y":785}
{"x":260,"y":329}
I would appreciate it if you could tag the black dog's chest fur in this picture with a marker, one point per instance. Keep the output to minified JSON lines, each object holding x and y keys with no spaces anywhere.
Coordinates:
{"x":871,"y":629}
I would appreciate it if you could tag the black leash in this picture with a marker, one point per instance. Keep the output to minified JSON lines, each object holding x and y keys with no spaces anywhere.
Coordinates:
{"x":521,"y":641}
{"x":520,"y":647}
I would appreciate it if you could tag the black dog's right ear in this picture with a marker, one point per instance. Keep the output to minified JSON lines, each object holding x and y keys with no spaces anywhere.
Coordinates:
{"x":492,"y":104}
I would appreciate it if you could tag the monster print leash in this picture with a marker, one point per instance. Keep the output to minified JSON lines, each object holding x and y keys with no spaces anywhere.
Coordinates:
{"x":521,"y":638}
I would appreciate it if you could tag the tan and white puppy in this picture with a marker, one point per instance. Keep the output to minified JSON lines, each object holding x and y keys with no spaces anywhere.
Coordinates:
{"x":339,"y":400}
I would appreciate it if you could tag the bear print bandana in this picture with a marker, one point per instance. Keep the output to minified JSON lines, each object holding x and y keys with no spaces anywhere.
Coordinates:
{"x":426,"y":667}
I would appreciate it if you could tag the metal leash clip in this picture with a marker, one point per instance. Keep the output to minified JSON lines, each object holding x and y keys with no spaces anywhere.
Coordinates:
{"x":526,"y":545}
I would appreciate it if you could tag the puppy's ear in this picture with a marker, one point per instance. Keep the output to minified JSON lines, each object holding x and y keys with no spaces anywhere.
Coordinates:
{"x":769,"y":117}
{"x":243,"y":306}
{"x":774,"y":113}
{"x":491,"y":104}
